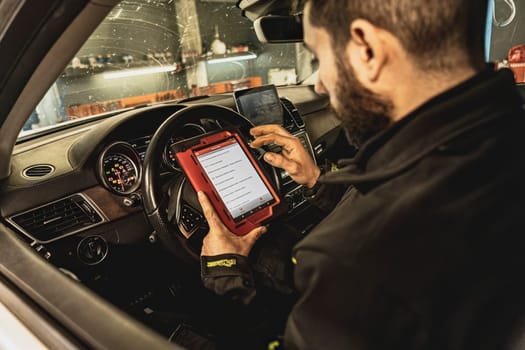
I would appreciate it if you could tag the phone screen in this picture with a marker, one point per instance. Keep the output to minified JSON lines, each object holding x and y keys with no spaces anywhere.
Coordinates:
{"x":235,"y":179}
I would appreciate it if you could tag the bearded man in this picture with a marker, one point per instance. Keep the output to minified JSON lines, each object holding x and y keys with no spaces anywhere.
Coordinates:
{"x":425,"y":248}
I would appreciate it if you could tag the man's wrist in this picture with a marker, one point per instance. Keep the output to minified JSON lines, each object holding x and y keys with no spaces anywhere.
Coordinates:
{"x":229,"y":275}
{"x":313,"y":183}
{"x":309,"y":192}
{"x":224,"y":264}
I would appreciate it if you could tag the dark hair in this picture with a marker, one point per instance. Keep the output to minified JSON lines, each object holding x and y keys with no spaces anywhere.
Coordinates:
{"x":435,"y":33}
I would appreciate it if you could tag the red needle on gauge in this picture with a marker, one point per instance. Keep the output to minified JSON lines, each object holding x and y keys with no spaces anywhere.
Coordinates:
{"x":120,"y":180}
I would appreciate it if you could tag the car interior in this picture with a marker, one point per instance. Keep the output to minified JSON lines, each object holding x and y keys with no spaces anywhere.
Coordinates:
{"x":101,"y":230}
{"x":100,"y":227}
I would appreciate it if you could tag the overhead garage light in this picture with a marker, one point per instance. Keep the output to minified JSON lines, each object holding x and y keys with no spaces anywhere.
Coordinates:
{"x":243,"y":57}
{"x":140,"y":71}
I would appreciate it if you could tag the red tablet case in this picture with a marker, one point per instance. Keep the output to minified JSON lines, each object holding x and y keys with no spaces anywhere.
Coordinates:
{"x":186,"y":153}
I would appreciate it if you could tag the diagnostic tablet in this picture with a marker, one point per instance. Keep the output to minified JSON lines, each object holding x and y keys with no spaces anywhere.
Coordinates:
{"x":221,"y":166}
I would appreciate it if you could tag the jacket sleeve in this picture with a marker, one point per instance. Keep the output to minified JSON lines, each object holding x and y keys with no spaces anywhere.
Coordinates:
{"x":229,"y":275}
{"x":325,"y":196}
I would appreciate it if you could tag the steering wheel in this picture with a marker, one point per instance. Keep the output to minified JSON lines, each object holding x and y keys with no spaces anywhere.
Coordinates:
{"x":175,"y":214}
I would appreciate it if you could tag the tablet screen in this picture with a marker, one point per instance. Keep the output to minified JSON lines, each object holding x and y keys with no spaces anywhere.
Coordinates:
{"x":235,"y":179}
{"x":261,"y":105}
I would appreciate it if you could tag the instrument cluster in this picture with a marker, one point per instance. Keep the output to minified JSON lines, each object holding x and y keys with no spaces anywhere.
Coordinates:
{"x":120,"y":163}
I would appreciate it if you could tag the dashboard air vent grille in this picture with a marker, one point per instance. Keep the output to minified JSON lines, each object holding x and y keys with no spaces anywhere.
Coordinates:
{"x":39,"y":170}
{"x":293,"y":112}
{"x":57,"y":219}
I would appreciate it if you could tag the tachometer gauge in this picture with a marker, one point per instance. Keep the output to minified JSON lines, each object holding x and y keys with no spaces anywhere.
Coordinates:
{"x":119,"y":168}
{"x":189,"y":130}
{"x":169,"y":157}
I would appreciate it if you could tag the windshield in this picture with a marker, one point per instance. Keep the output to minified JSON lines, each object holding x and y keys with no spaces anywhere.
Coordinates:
{"x":149,"y":51}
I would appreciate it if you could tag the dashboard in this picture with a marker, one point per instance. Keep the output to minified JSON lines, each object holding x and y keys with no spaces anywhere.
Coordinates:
{"x":96,"y":178}
{"x":120,"y":163}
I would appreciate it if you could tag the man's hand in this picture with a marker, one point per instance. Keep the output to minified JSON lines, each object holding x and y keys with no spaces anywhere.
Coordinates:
{"x":294,"y":158}
{"x":219,"y":239}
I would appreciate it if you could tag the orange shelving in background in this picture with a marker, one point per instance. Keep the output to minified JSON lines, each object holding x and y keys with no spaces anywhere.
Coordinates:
{"x":89,"y":109}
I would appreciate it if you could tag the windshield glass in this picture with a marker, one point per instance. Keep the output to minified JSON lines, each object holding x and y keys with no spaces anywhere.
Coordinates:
{"x":149,"y":51}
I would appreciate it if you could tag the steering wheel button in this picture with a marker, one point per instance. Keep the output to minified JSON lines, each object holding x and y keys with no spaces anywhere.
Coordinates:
{"x":187,"y":225}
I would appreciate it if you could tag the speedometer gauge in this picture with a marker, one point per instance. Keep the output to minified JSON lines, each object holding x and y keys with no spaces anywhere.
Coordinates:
{"x":119,"y":172}
{"x":120,"y":168}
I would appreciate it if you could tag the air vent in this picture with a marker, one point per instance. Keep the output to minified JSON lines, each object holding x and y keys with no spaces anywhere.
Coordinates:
{"x":57,"y":219}
{"x":293,"y":112}
{"x":36,"y":171}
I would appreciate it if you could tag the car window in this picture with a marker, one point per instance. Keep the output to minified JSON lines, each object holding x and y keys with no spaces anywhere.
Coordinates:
{"x":149,"y":51}
{"x":506,"y":35}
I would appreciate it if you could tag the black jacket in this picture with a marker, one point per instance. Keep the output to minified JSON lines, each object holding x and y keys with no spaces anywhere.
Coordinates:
{"x":427,"y":251}
{"x":427,"y":248}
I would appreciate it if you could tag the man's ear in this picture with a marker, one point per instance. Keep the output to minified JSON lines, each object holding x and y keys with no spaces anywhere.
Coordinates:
{"x":367,"y":49}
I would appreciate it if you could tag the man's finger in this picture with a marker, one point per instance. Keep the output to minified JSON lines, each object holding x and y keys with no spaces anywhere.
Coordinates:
{"x":278,"y":161}
{"x":269,"y":129}
{"x":252,"y":236}
{"x":283,"y":141}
